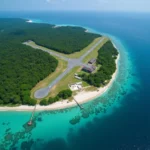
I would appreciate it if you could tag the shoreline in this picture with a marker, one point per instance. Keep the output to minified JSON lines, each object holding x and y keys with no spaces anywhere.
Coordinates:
{"x":29,"y":21}
{"x":82,"y":97}
{"x":87,"y":29}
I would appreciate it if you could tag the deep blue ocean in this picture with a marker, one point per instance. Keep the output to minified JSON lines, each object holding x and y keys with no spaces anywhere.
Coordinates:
{"x":119,"y":119}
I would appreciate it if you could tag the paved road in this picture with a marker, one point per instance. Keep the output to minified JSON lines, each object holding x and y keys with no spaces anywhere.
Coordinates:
{"x":43,"y":92}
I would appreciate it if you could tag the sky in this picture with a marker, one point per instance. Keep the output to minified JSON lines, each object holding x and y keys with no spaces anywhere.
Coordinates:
{"x":94,"y":5}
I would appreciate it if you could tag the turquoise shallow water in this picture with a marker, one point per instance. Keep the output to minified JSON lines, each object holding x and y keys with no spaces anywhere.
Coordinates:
{"x":57,"y":124}
{"x":53,"y":129}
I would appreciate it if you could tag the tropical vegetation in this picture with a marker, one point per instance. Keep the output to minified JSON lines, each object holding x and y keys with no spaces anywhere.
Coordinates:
{"x":64,"y":94}
{"x":106,"y":59}
{"x":22,"y":67}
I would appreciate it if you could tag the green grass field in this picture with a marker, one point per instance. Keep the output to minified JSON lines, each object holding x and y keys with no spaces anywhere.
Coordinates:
{"x":63,"y":84}
{"x":62,"y":65}
{"x":69,"y":78}
{"x":74,"y":55}
{"x":94,"y":53}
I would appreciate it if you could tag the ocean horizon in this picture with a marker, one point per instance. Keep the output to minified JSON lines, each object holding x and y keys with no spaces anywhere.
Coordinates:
{"x":117,"y":120}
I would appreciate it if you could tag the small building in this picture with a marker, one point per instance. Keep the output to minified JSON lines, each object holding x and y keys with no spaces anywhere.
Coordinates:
{"x":77,"y":77}
{"x":76,"y":86}
{"x":92,"y":61}
{"x":89,"y":69}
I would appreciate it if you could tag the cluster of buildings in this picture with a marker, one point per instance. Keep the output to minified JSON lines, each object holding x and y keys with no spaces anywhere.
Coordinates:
{"x":90,"y":67}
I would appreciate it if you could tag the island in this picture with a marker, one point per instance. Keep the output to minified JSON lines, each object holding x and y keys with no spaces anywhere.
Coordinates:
{"x":52,"y":67}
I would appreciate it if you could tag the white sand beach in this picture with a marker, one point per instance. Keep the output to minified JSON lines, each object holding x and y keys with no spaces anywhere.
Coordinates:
{"x":81,"y":97}
{"x":29,"y":21}
{"x":58,"y":26}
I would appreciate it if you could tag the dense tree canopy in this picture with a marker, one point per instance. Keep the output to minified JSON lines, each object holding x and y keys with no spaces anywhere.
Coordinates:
{"x":62,"y":39}
{"x":106,"y":58}
{"x":44,"y":102}
{"x":22,"y":67}
{"x":64,"y":94}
